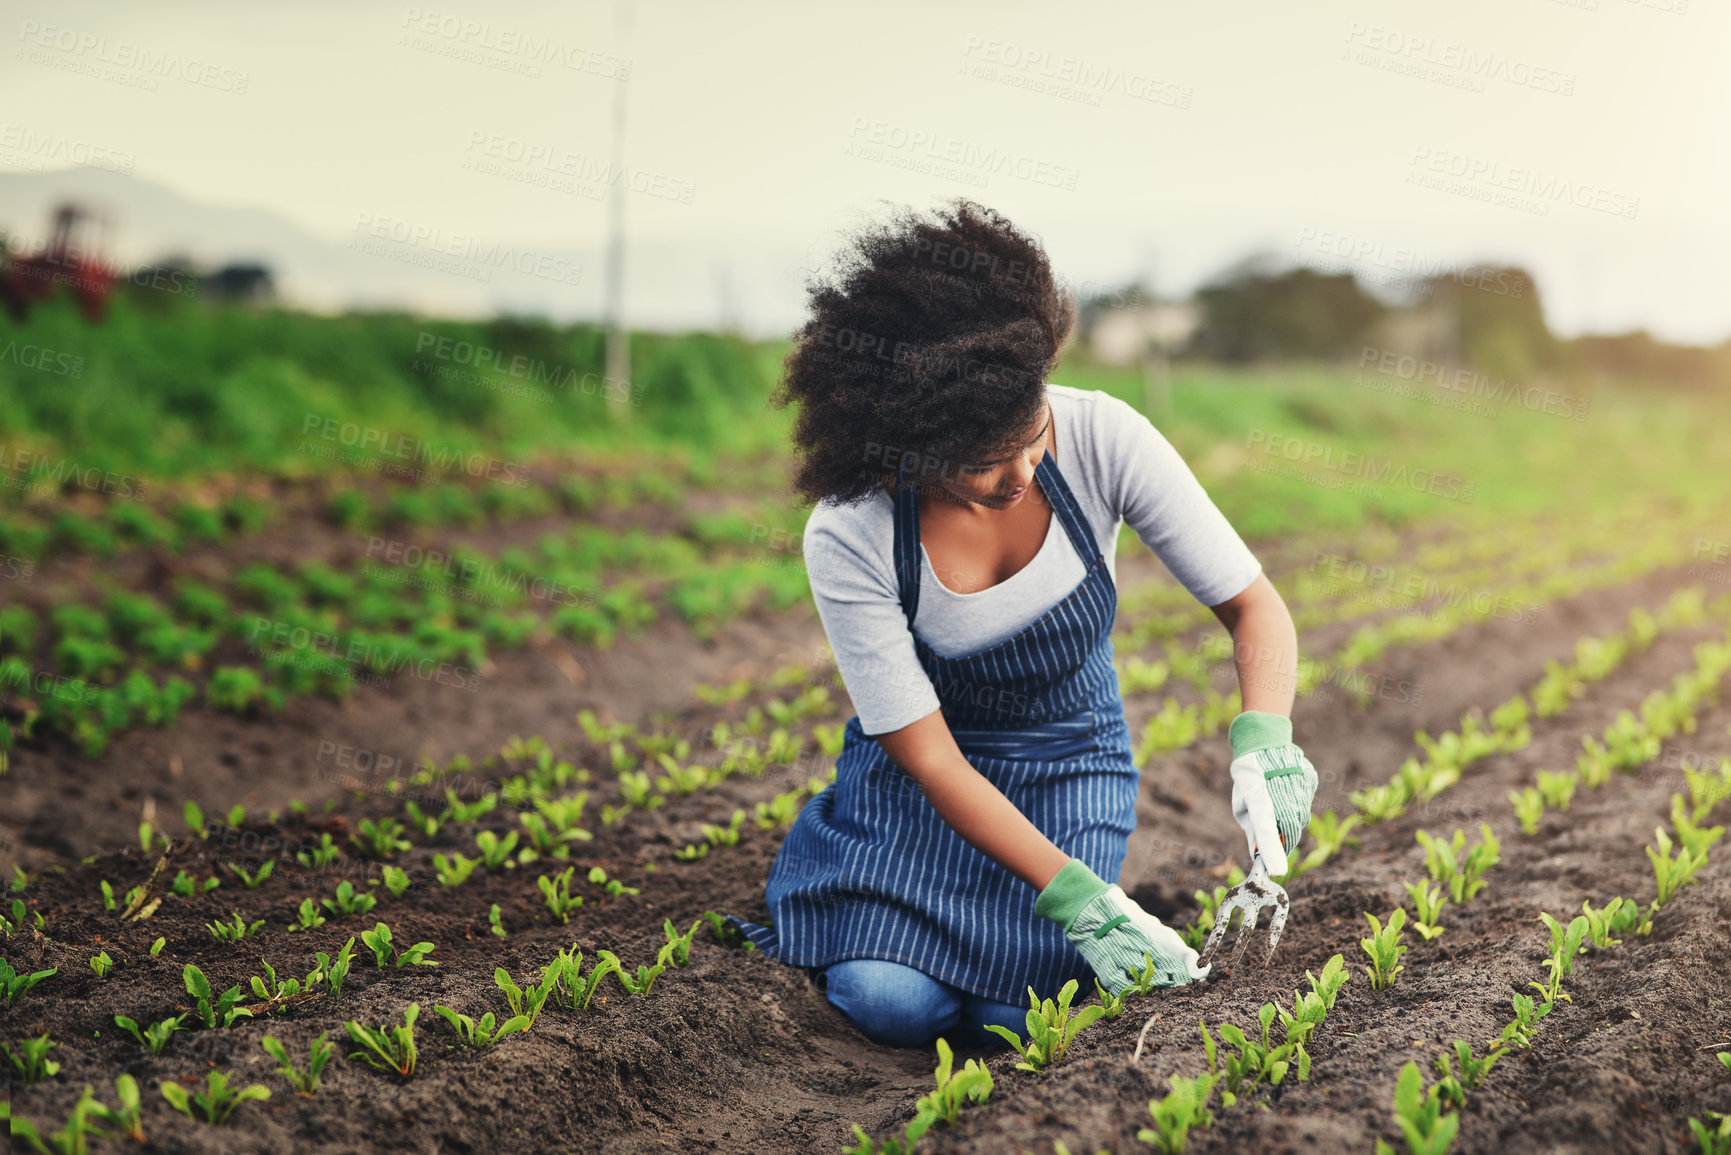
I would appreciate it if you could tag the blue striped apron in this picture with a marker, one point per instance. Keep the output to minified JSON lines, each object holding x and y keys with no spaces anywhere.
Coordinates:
{"x":870,"y":870}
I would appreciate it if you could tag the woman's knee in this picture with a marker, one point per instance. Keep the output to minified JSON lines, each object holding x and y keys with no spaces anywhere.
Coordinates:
{"x":890,"y":1003}
{"x":979,"y":1013}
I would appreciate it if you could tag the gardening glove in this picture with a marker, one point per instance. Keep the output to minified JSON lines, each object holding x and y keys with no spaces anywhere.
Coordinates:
{"x":1273,"y":784}
{"x":1111,"y":931}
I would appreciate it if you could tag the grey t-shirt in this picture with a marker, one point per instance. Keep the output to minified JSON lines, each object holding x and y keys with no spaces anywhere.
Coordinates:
{"x":1121,"y":470}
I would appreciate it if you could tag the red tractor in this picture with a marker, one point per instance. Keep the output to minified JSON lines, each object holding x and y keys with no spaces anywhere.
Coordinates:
{"x":26,"y":280}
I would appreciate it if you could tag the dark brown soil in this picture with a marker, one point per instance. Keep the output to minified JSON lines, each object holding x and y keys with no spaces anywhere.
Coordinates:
{"x":738,"y":1053}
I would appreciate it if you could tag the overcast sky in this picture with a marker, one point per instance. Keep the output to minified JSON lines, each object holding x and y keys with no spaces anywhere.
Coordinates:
{"x":1590,"y":141}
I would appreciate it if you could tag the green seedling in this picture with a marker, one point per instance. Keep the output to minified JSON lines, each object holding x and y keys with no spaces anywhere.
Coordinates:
{"x":305,"y":1080}
{"x":1183,"y":1108}
{"x":726,"y":933}
{"x":1051,"y":1029}
{"x":526,"y":1002}
{"x":1420,"y":1116}
{"x":320,"y":856}
{"x":1694,"y":838}
{"x":612,"y":886}
{"x":495,"y":851}
{"x":571,"y":985}
{"x":1557,"y":787}
{"x":15,"y":984}
{"x":545,"y":840}
{"x":102,"y":964}
{"x":390,"y":1048}
{"x":479,"y":1035}
{"x":153,"y":1038}
{"x":21,"y":916}
{"x":424,"y":824}
{"x":128,"y":1118}
{"x":193,"y":813}
{"x":218,"y":1100}
{"x":30,"y":1061}
{"x":233,"y":931}
{"x":186,"y":886}
{"x":455,"y":870}
{"x":639,"y":983}
{"x":456,"y":810}
{"x":1328,"y":836}
{"x":1671,"y":871}
{"x":1462,"y":874}
{"x":396,"y":880}
{"x":677,"y":950}
{"x":332,"y":972}
{"x":1519,"y":1031}
{"x":1327,"y":987}
{"x":556,"y":892}
{"x":156,"y":947}
{"x":954,"y":1090}
{"x":380,"y":839}
{"x":378,"y":940}
{"x":493,"y":920}
{"x":1111,"y":1005}
{"x":1380,"y":803}
{"x":1256,"y":1061}
{"x":221,"y":1009}
{"x":307,"y":917}
{"x":1383,"y":947}
{"x":107,"y":895}
{"x":1565,"y":946}
{"x":692,"y":852}
{"x":1714,"y":1139}
{"x":723,"y":835}
{"x":1529,"y":807}
{"x":1472,"y":1072}
{"x":251,"y":881}
{"x":1427,"y":902}
{"x":350,"y":901}
{"x":275,"y":990}
{"x":1601,"y":923}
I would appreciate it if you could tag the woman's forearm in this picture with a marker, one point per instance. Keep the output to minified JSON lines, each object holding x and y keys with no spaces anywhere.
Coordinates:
{"x":1264,"y":648}
{"x":990,"y":822}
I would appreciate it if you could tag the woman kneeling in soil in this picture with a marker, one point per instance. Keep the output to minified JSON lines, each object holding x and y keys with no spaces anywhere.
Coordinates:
{"x":962,"y":557}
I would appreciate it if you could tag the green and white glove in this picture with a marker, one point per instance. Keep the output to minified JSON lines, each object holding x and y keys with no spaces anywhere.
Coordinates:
{"x":1273,"y":785}
{"x":1112,"y":932}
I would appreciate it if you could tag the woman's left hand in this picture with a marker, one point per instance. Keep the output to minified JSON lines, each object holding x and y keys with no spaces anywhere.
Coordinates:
{"x":1273,"y":785}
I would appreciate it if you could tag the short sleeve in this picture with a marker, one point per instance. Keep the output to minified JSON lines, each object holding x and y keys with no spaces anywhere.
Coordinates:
{"x":854,"y":587}
{"x":1159,"y":497}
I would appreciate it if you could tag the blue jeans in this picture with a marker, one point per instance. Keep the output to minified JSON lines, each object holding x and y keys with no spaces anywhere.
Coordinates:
{"x":899,"y":1006}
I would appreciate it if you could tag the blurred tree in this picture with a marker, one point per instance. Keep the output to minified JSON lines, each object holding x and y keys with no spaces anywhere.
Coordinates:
{"x":1251,"y":313}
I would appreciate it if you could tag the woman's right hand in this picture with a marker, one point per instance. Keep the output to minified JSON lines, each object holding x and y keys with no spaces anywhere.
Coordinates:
{"x":1114,"y":934}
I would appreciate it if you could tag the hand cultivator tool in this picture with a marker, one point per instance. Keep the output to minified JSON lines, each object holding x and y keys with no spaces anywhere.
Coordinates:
{"x":1255,"y":894}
